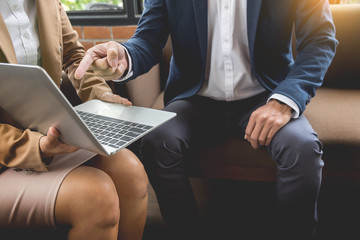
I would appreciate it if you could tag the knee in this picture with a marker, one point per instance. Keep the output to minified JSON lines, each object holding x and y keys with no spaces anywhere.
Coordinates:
{"x":152,"y":143}
{"x":102,"y":192}
{"x":301,"y":151}
{"x":96,"y":197}
{"x":161,"y":140}
{"x":162,"y":150}
{"x":139,"y":179}
{"x":132,"y":173}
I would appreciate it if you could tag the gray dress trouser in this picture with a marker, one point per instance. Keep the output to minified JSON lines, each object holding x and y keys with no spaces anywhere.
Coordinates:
{"x":200,"y":121}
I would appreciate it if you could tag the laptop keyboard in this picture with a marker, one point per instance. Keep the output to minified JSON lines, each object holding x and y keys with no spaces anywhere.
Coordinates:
{"x":111,"y":131}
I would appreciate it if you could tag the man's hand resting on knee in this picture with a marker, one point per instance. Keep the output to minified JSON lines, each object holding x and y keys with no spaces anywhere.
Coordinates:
{"x":265,"y":121}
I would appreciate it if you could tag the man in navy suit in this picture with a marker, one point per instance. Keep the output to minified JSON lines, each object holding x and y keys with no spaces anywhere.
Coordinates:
{"x":232,"y":73}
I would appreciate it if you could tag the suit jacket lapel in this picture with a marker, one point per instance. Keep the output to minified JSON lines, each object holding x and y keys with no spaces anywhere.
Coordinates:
{"x":200,"y":11}
{"x":7,"y":51}
{"x":253,"y":13}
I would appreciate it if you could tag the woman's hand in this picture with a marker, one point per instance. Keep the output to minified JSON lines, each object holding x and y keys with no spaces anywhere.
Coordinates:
{"x":114,"y":98}
{"x":51,"y":146}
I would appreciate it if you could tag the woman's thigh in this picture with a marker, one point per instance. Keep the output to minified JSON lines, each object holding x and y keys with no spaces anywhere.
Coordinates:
{"x":28,"y":198}
{"x":86,"y":196}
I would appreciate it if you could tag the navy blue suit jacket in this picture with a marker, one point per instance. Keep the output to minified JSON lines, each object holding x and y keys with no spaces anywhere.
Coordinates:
{"x":270,"y":24}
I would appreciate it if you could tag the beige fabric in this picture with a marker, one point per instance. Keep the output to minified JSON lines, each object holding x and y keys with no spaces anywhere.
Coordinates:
{"x":335,"y":115}
{"x":28,"y":198}
{"x":144,"y":90}
{"x":159,"y":102}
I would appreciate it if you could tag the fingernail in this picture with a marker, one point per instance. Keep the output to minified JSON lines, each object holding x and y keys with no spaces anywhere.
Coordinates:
{"x":122,"y":68}
{"x":52,"y":133}
{"x":114,"y":63}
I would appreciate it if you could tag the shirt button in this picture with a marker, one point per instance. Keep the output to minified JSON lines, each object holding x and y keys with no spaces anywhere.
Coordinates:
{"x":228,"y":68}
{"x":27,"y":35}
{"x":226,"y":6}
{"x":16,"y":7}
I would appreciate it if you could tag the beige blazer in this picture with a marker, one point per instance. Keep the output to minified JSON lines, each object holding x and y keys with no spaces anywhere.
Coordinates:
{"x":61,"y":51}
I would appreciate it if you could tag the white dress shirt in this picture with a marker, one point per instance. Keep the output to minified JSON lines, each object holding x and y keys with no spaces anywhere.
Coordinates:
{"x":21,"y":22}
{"x":228,"y":74}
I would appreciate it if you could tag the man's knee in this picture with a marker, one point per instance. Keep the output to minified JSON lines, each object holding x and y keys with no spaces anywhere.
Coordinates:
{"x":300,"y":149}
{"x":298,"y":157}
{"x":162,"y":148}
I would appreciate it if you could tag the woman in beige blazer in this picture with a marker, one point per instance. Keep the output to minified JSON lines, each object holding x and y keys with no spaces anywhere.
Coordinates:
{"x":46,"y":183}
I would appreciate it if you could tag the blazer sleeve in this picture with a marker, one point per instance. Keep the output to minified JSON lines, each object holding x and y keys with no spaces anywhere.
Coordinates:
{"x":91,"y":86}
{"x":315,"y":44}
{"x":145,"y":46}
{"x":20,"y":149}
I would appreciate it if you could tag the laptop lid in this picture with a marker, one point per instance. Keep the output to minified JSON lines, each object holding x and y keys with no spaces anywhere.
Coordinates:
{"x":32,"y":99}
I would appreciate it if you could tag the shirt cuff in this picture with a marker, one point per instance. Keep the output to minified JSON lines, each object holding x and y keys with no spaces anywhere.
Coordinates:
{"x":129,"y":70}
{"x":288,"y":102}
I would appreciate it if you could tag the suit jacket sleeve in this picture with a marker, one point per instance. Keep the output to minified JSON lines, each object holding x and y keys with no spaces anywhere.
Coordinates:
{"x":145,"y":47}
{"x":315,"y":44}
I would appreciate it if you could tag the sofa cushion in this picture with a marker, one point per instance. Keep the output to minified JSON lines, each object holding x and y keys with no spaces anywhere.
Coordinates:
{"x":335,"y":115}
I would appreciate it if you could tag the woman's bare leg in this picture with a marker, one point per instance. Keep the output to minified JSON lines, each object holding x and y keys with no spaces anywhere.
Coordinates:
{"x":87,"y":202}
{"x":131,"y":182}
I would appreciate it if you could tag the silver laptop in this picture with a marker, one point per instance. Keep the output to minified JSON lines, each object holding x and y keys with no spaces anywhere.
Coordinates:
{"x":32,"y":99}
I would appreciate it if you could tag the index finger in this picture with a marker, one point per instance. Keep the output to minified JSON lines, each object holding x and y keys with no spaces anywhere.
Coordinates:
{"x":249,"y":128}
{"x":84,"y":65}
